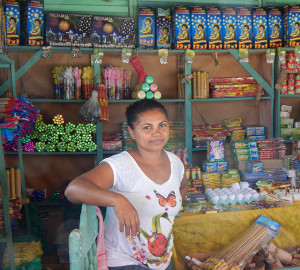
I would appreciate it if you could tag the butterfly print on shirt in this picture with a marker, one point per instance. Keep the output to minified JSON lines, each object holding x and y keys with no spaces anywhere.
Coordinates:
{"x":170,"y":200}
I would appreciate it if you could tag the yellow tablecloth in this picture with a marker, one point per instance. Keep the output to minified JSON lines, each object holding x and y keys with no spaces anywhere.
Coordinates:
{"x":211,"y":232}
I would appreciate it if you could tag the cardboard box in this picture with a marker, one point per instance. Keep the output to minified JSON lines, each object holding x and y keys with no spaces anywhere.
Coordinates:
{"x":216,"y":150}
{"x":146,"y":28}
{"x":182,"y":28}
{"x":164,"y":31}
{"x":113,"y":32}
{"x":244,"y":29}
{"x":12,"y":10}
{"x":64,"y":29}
{"x":32,"y":27}
{"x":214,"y":24}
{"x":260,"y":28}
{"x":267,"y":164}
{"x":291,"y":23}
{"x":199,"y":28}
{"x":229,"y":27}
{"x":275,"y":27}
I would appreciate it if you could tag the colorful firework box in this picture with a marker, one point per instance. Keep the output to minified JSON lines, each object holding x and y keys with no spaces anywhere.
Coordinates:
{"x":12,"y":10}
{"x":216,"y":150}
{"x":163,"y":28}
{"x":214,"y":167}
{"x":64,"y":29}
{"x":32,"y":27}
{"x":199,"y":28}
{"x":275,"y":27}
{"x":182,"y":28}
{"x":260,"y":28}
{"x":146,"y":28}
{"x":113,"y":32}
{"x":291,"y":23}
{"x":229,"y":28}
{"x":214,"y":25}
{"x":244,"y":29}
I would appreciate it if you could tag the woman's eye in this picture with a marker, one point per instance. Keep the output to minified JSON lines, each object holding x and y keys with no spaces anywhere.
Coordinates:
{"x":147,"y":127}
{"x":163,"y":125}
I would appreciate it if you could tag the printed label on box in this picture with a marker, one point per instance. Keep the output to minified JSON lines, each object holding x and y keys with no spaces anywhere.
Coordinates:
{"x":182,"y":28}
{"x":12,"y":23}
{"x":163,"y":28}
{"x":146,"y":28}
{"x":214,"y":25}
{"x":229,"y":21}
{"x":275,"y":27}
{"x":199,"y":28}
{"x":260,"y":29}
{"x":244,"y":29}
{"x":292,"y":25}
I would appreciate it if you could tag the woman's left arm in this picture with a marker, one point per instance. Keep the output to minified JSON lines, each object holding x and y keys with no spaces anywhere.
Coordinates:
{"x":183,"y":186}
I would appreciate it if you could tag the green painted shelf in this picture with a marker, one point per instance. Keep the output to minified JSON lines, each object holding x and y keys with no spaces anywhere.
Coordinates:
{"x":226,"y":99}
{"x":199,"y":149}
{"x":110,"y":101}
{"x":290,"y":96}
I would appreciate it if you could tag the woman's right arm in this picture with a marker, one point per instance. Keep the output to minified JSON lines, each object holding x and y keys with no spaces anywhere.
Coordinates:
{"x":92,"y":188}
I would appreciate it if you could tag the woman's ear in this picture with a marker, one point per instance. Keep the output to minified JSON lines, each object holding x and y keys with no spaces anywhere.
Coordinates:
{"x":131,"y":132}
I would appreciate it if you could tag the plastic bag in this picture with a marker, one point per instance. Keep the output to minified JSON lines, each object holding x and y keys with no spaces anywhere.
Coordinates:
{"x":90,"y":111}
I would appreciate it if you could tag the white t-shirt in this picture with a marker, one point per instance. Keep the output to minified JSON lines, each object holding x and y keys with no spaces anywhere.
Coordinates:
{"x":157,"y":205}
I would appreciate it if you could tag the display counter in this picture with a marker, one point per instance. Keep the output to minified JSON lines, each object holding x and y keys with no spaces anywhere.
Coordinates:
{"x":211,"y":232}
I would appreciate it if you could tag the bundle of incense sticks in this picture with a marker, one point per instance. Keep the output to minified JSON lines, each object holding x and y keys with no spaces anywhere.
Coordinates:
{"x":200,"y":84}
{"x":239,"y":252}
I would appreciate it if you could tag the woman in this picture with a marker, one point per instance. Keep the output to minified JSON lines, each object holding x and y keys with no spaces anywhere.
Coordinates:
{"x":143,"y":190}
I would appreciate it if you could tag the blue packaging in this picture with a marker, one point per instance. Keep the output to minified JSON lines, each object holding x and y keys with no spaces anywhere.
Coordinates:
{"x":12,"y":10}
{"x":32,"y":27}
{"x":199,"y":28}
{"x":275,"y":27}
{"x":209,"y":167}
{"x":254,"y":166}
{"x":221,"y":166}
{"x":291,"y":23}
{"x":229,"y":26}
{"x":214,"y":28}
{"x":163,"y":28}
{"x":216,"y":150}
{"x":146,"y":28}
{"x":182,"y":28}
{"x":260,"y":28}
{"x":244,"y":29}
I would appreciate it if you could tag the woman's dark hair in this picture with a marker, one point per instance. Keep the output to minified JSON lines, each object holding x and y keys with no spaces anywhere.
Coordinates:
{"x":141,"y":106}
{"x":277,"y":25}
{"x":231,"y":25}
{"x":247,"y":26}
{"x":200,"y":25}
{"x":216,"y":25}
{"x":185,"y":25}
{"x":13,"y":18}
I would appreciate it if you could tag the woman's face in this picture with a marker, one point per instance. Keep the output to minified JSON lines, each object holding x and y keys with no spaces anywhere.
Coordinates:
{"x":151,"y":130}
{"x":246,"y":29}
{"x":261,"y":29}
{"x":148,"y":22}
{"x":216,"y":29}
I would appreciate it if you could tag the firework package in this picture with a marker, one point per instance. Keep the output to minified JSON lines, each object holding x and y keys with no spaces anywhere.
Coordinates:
{"x":275,"y":27}
{"x":163,"y":28}
{"x":260,"y":28}
{"x":12,"y":9}
{"x":291,"y":23}
{"x":182,"y":28}
{"x":146,"y":28}
{"x":113,"y":32}
{"x":32,"y":26}
{"x":199,"y":29}
{"x":214,"y":24}
{"x":64,"y":29}
{"x":229,"y":23}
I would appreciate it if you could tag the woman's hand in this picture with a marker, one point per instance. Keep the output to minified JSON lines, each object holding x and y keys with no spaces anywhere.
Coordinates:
{"x":127,"y":216}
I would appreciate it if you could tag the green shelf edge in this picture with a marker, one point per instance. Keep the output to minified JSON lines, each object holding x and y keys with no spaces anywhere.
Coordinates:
{"x":135,"y":50}
{"x":199,"y":149}
{"x":290,"y":96}
{"x":109,"y":101}
{"x":226,"y":99}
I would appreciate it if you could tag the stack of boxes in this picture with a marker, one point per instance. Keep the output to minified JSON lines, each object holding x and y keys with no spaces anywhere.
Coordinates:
{"x":255,"y":133}
{"x":243,"y":150}
{"x":289,"y":129}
